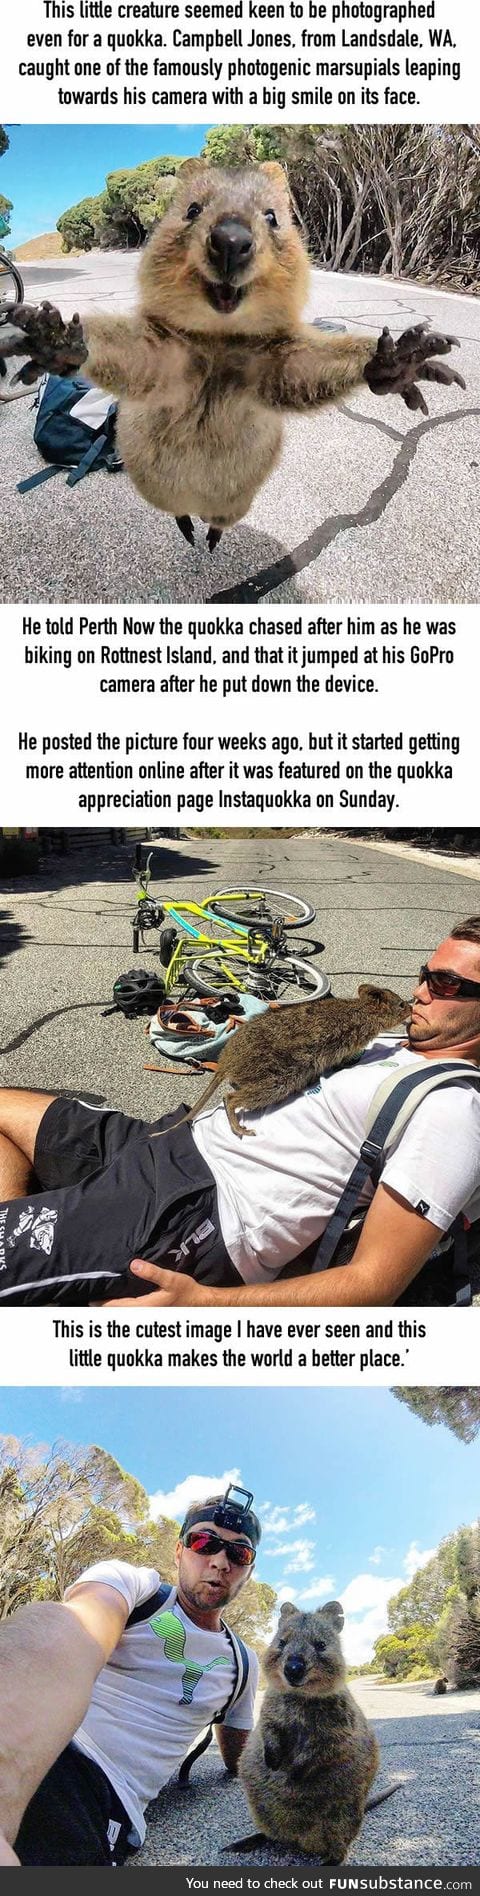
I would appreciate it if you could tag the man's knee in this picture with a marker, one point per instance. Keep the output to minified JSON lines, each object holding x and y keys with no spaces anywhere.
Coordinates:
{"x":21,"y":1114}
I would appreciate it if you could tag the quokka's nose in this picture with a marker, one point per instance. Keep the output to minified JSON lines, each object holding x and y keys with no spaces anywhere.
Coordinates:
{"x":294,"y":1668}
{"x":230,"y":245}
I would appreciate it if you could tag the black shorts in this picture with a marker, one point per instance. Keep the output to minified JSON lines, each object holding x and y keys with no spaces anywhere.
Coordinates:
{"x":109,"y":1192}
{"x":75,"y":1817}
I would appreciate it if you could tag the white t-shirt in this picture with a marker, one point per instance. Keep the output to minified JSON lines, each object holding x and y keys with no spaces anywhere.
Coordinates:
{"x":277,"y":1191}
{"x":158,"y":1691}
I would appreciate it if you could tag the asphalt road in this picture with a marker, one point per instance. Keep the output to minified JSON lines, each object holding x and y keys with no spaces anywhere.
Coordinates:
{"x":65,"y":935}
{"x":431,"y":1745}
{"x":367,"y":503}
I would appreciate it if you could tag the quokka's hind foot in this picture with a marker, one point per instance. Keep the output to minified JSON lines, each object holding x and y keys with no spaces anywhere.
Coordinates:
{"x":253,"y":1842}
{"x":213,"y":536}
{"x":186,"y":527}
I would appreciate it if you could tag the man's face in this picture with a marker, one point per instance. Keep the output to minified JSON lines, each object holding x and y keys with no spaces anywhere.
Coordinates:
{"x":207,"y":1581}
{"x":438,"y":1023}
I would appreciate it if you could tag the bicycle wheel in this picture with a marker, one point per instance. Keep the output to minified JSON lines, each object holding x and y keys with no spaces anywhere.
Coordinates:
{"x":252,"y":908}
{"x":287,"y":979}
{"x":11,"y":285}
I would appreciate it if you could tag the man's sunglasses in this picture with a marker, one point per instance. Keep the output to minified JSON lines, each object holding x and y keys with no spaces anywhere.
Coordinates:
{"x":199,"y":1541}
{"x":446,"y":985}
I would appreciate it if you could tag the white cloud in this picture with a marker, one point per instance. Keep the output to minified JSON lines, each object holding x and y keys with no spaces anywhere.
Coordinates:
{"x":320,"y":1589}
{"x":285,"y":1593}
{"x":175,"y":1502}
{"x":299,"y":1555}
{"x":281,"y":1520}
{"x":72,"y":1395}
{"x":414,"y":1559}
{"x":376,"y":1558}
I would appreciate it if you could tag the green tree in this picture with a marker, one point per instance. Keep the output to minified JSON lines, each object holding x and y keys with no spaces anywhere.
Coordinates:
{"x":125,"y":212}
{"x":50,"y":1502}
{"x":79,"y":224}
{"x":5,"y":207}
{"x":457,"y":1409}
{"x":400,"y":1654}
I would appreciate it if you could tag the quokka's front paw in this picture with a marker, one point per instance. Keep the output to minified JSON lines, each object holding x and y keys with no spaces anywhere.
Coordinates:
{"x":49,"y":343}
{"x":397,"y":367}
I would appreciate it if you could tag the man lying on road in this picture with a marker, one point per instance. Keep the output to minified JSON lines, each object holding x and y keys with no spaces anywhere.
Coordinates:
{"x":210,"y":1219}
{"x":104,"y":1694}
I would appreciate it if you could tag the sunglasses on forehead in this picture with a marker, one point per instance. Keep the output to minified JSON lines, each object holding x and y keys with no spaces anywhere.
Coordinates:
{"x":200,"y":1541}
{"x":446,"y":985}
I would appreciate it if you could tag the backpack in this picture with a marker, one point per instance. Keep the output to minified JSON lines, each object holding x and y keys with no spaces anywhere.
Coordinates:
{"x":392,"y":1106}
{"x":75,"y":428}
{"x":189,"y":1033}
{"x":161,"y":1597}
{"x":136,"y":993}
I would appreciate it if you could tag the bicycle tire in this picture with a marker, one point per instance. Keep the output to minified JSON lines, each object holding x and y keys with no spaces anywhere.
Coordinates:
{"x":286,"y":979}
{"x":10,"y":276}
{"x":244,"y":906}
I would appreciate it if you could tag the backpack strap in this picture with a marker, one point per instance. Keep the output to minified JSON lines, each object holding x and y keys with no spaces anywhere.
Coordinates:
{"x":37,"y":480}
{"x":88,"y":460}
{"x":393,"y":1104}
{"x":152,"y":1605}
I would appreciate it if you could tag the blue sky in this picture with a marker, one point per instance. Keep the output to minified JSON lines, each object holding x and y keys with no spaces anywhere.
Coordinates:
{"x":354,"y":1492}
{"x":49,"y":167}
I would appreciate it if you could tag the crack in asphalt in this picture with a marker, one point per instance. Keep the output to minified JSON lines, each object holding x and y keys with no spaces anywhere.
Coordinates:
{"x":251,"y":590}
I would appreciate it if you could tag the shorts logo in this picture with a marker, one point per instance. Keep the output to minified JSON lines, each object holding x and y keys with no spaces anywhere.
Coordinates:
{"x":203,"y":1231}
{"x":40,"y":1226}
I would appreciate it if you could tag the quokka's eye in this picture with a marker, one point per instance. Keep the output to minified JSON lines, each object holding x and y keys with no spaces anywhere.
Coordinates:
{"x":194,"y":211}
{"x":271,"y":219}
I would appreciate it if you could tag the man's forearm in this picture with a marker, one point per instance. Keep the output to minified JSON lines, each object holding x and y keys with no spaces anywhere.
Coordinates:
{"x":324,"y":1289}
{"x":48,"y":1665}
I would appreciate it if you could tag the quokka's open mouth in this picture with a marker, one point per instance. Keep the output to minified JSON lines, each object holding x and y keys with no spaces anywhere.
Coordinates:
{"x":224,"y":297}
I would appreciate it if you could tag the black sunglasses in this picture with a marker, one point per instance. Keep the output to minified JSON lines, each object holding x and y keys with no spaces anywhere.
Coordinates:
{"x":446,"y":985}
{"x":201,"y":1541}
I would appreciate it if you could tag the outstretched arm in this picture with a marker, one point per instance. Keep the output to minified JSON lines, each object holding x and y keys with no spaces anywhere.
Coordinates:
{"x":50,"y":1655}
{"x":395,"y":1242}
{"x":118,"y":353}
{"x":303,"y":372}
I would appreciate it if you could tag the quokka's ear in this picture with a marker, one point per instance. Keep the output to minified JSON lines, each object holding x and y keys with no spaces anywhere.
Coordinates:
{"x":190,"y":168}
{"x":334,"y":1612}
{"x":288,"y":1610}
{"x":276,"y":172}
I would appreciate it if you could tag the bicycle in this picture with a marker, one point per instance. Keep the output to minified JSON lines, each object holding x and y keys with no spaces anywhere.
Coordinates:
{"x":253,"y":958}
{"x":11,"y":292}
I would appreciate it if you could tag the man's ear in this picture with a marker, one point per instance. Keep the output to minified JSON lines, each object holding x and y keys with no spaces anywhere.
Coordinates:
{"x":190,"y":167}
{"x":276,"y":173}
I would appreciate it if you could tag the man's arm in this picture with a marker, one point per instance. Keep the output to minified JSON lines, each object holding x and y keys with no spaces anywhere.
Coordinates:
{"x":231,"y":1743}
{"x":395,"y":1242}
{"x":50,"y":1656}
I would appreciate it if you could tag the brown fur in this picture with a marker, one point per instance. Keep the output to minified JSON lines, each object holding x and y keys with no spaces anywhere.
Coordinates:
{"x":309,"y":1762}
{"x":283,"y":1051}
{"x":201,"y":387}
{"x":201,"y":391}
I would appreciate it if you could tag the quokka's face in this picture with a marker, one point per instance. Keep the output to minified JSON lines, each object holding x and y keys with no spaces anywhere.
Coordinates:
{"x":390,"y":1007}
{"x":226,"y":257}
{"x":306,"y":1656}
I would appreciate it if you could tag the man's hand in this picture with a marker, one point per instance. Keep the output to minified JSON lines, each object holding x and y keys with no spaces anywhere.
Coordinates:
{"x":397,"y":367}
{"x":8,"y":1860}
{"x":50,"y":343}
{"x":172,"y":1287}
